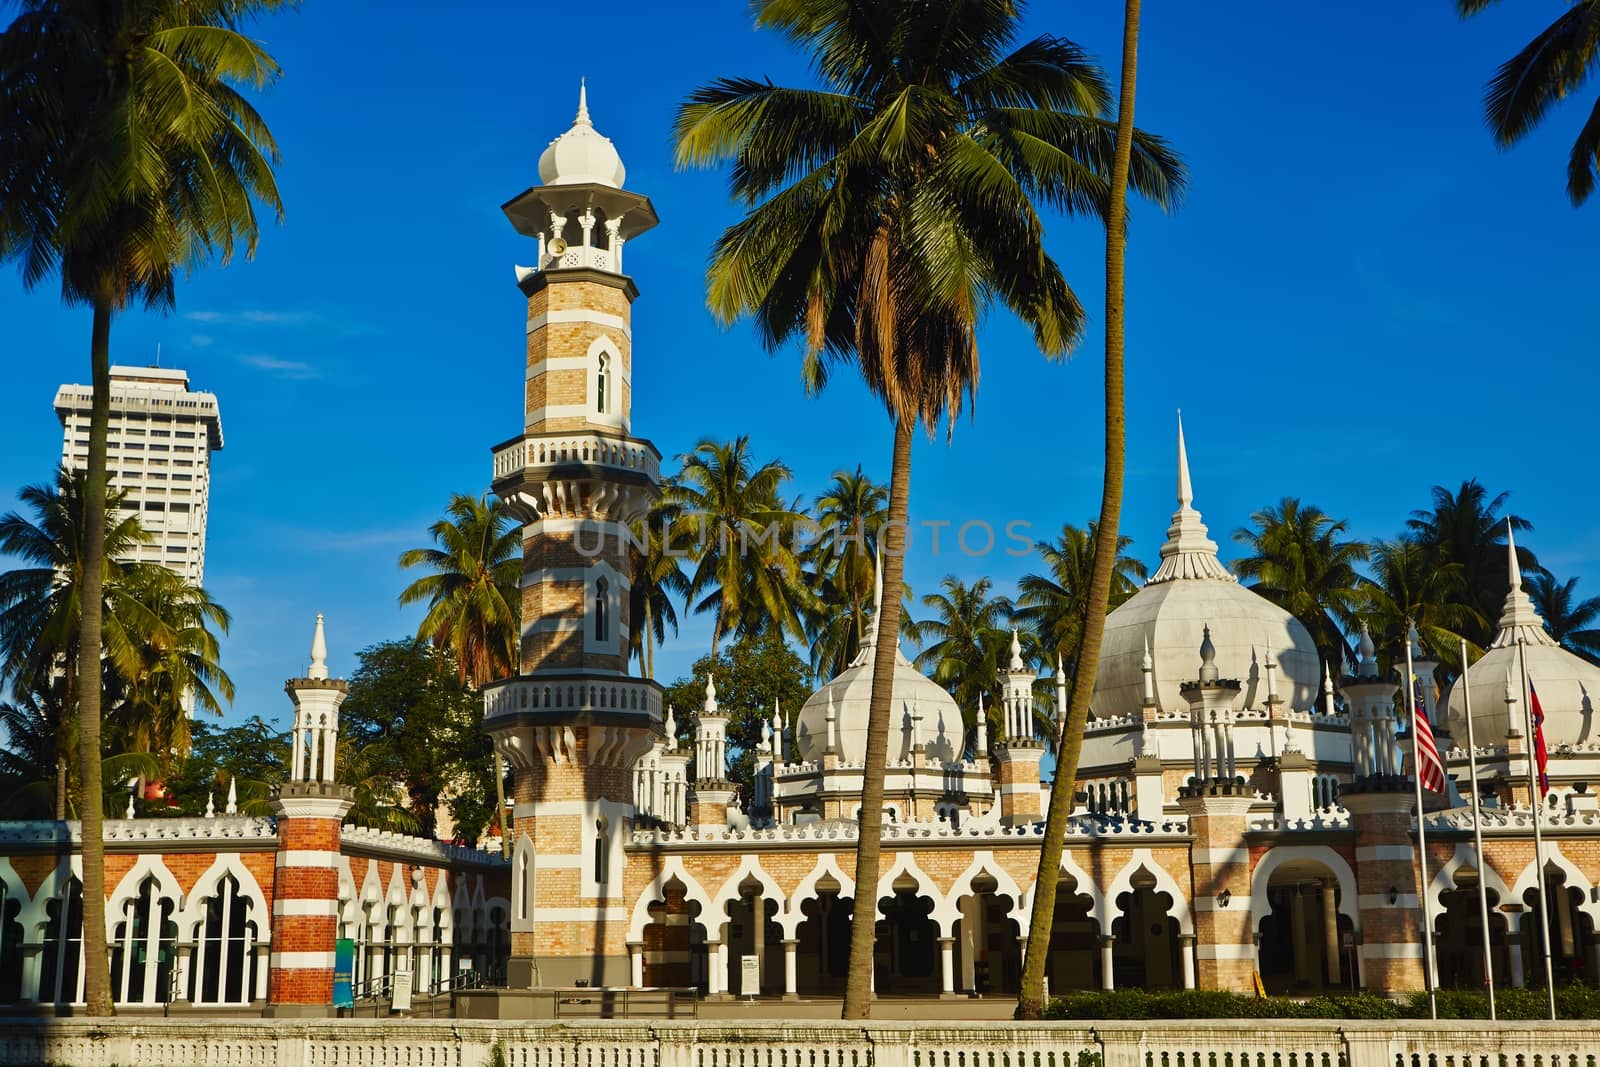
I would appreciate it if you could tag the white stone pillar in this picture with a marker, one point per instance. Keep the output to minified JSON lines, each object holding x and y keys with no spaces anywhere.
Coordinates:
{"x":719,"y":967}
{"x":791,"y":985}
{"x":1186,"y":957}
{"x":263,"y":967}
{"x":636,"y":961}
{"x":947,"y":964}
{"x":1107,"y":962}
{"x":1330,"y":933}
{"x":969,"y":942}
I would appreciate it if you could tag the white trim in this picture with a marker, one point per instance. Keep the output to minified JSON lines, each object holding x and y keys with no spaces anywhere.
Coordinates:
{"x":611,"y":914}
{"x":1385,"y":852}
{"x":302,"y":961}
{"x":1225,"y":952}
{"x":596,"y":318}
{"x":305,"y":906}
{"x":304,"y":857}
{"x":552,"y":624}
{"x":558,"y":411}
{"x":1391,"y":950}
{"x":1217,"y":856}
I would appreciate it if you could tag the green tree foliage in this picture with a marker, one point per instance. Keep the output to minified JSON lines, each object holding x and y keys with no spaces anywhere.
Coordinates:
{"x":1574,"y":623}
{"x":655,"y":558}
{"x":754,"y":675}
{"x":1408,"y":586}
{"x":252,"y":755}
{"x":412,"y":722}
{"x":1467,"y":529}
{"x":1055,"y":605}
{"x":965,"y":643}
{"x":844,"y":568}
{"x":1301,"y":560}
{"x":1554,"y":65}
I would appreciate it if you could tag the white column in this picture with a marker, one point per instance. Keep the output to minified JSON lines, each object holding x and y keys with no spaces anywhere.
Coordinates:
{"x":1330,"y":932}
{"x":297,"y":765}
{"x":758,"y":924}
{"x":1186,"y":957}
{"x":947,"y":964}
{"x":311,"y":758}
{"x":791,"y":986}
{"x":969,"y":942}
{"x":1107,"y":962}
{"x":636,"y":961}
{"x":263,"y":967}
{"x":717,"y":979}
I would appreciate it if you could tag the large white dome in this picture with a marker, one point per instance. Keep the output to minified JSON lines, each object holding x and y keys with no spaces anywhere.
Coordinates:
{"x":1190,"y":591}
{"x":923,"y":714}
{"x":581,"y":155}
{"x":1568,"y":685}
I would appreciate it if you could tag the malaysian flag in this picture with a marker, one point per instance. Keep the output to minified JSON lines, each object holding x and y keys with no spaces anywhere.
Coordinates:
{"x":1429,"y":768}
{"x":1540,"y":754}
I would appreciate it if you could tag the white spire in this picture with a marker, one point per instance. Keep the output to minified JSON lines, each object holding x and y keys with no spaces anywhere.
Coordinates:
{"x":981,"y":745}
{"x":1208,"y":657}
{"x":319,"y":652}
{"x":1367,"y":664}
{"x":1327,"y":690}
{"x":583,"y":104}
{"x":233,"y":797}
{"x":711,"y":694}
{"x":1271,"y":667}
{"x":1188,"y":552}
{"x":1518,"y":620}
{"x":1147,"y":668}
{"x":1016,"y":651}
{"x":672,"y":728}
{"x":777,"y":730}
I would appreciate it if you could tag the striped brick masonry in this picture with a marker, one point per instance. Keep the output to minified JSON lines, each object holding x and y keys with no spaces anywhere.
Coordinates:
{"x":1380,"y":809}
{"x":1220,"y":860}
{"x":1019,"y":751}
{"x":310,"y":808}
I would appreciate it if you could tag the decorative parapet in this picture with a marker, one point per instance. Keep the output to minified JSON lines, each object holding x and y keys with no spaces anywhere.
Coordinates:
{"x":930,"y":833}
{"x":365,"y":840}
{"x":129,"y":834}
{"x":541,"y":453}
{"x":1332,"y":818}
{"x":1511,"y":821}
{"x":630,"y":695}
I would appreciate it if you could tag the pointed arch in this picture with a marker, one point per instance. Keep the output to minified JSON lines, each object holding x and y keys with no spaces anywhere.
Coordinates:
{"x":1554,"y":857}
{"x":749,"y":867}
{"x":1444,"y":877}
{"x":949,"y":909}
{"x":1143,"y":859}
{"x":205,"y":887}
{"x":656,"y":891}
{"x":148,"y":865}
{"x":905,"y":863}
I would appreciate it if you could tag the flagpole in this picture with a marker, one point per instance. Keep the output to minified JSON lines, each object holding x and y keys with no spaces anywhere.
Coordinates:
{"x":1477,"y":834}
{"x":1422,"y":841}
{"x":1536,"y":804}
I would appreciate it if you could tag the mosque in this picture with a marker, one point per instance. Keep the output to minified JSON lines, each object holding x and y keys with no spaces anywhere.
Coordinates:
{"x":1241,"y":812}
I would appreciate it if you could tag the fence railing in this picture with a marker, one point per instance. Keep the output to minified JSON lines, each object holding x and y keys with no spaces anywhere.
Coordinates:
{"x":472,"y":1043}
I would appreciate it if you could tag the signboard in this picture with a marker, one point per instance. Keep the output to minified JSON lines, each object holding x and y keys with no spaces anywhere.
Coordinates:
{"x":344,"y":964}
{"x":749,"y":976}
{"x":400,"y":992}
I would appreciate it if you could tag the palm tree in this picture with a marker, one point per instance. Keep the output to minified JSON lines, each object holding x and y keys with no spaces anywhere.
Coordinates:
{"x":845,"y":567}
{"x":1572,"y":622}
{"x":965,"y":643}
{"x":1055,"y":605}
{"x":1467,"y":528}
{"x":41,"y":602}
{"x":1299,"y":562}
{"x":127,"y":155}
{"x":1030,"y":998}
{"x":656,"y":557}
{"x":474,"y":598}
{"x":747,"y":575}
{"x":1407,"y":586}
{"x":1553,"y":65}
{"x":887,"y":211}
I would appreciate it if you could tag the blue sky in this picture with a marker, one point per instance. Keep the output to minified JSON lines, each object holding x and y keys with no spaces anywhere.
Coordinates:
{"x":1360,"y":299}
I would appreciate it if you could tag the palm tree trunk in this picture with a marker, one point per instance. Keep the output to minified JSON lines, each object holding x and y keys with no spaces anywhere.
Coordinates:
{"x":649,"y":643}
{"x":97,"y":970}
{"x":864,"y":921}
{"x":1030,"y":1002}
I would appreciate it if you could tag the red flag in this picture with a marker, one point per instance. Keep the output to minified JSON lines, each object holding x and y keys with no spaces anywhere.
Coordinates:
{"x":1429,"y":768}
{"x":1539,"y":753}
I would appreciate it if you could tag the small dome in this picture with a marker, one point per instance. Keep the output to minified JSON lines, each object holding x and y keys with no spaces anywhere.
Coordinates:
{"x":924,"y":714}
{"x":1169,"y":616}
{"x":581,"y":155}
{"x":1568,"y":685}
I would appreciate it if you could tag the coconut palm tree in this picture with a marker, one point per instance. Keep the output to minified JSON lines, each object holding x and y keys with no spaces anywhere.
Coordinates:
{"x":747,"y":575}
{"x":1574,"y":623}
{"x":1300,"y":561}
{"x":845,"y":567}
{"x":656,"y":557}
{"x":1055,"y":605}
{"x":127,"y":156}
{"x":1466,"y":527}
{"x":886,"y":211}
{"x":1406,"y":586}
{"x":965,"y":643}
{"x":1552,"y":66}
{"x":1030,"y":998}
{"x":474,"y":598}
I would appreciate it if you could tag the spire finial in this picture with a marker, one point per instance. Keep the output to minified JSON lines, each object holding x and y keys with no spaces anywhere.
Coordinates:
{"x":1185,"y":488}
{"x":583,"y":104}
{"x":1367,"y":654}
{"x":1208,"y":657}
{"x":1016,"y":650}
{"x":1518,"y":619}
{"x":1148,"y":662}
{"x":319,"y":652}
{"x":233,"y":797}
{"x":672,"y":727}
{"x":711,"y":694}
{"x":1514,"y":568}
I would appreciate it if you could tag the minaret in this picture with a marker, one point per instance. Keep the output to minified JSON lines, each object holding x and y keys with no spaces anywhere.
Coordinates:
{"x":310,"y":808}
{"x":1018,"y":754}
{"x":1189,"y":551}
{"x":1211,"y":698}
{"x":1374,"y":750}
{"x":712,"y":792}
{"x":573,"y":723}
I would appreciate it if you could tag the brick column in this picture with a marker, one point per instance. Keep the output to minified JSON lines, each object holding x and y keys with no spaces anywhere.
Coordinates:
{"x":1380,"y":809}
{"x":1225,"y":944}
{"x":305,"y":898}
{"x":1019,"y":782}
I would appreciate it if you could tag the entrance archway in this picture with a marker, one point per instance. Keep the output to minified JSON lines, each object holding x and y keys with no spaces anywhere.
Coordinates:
{"x":1074,"y":941}
{"x":823,"y":960}
{"x":1458,"y":935}
{"x":674,"y":941}
{"x":748,"y":934}
{"x":1573,"y":955}
{"x":1305,"y":944}
{"x":1145,"y":951}
{"x":905,"y":955}
{"x":988,"y":955}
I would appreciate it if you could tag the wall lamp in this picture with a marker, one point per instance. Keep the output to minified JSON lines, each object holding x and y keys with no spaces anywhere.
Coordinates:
{"x":1394,"y":896}
{"x":1223,"y":898}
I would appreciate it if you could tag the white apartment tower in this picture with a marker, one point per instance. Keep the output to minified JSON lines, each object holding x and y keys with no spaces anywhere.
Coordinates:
{"x":159,"y":451}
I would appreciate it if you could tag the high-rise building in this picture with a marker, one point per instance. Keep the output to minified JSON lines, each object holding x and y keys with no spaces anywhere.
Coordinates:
{"x":158,"y":450}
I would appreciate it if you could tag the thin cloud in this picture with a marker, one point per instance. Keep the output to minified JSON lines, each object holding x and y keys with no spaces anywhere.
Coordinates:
{"x":255,"y":317}
{"x":292,"y":369}
{"x":200,"y":340}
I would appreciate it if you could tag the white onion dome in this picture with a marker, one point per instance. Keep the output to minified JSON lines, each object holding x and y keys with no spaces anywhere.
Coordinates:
{"x":1191,"y":591}
{"x":581,"y":155}
{"x":924,"y":713}
{"x":1568,"y":685}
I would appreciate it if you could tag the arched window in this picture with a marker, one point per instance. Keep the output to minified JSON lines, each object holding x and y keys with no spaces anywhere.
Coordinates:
{"x":143,"y":946}
{"x":602,"y":384}
{"x":10,"y":943}
{"x":224,"y":967}
{"x":61,"y":973}
{"x":602,"y":625}
{"x":602,"y":857}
